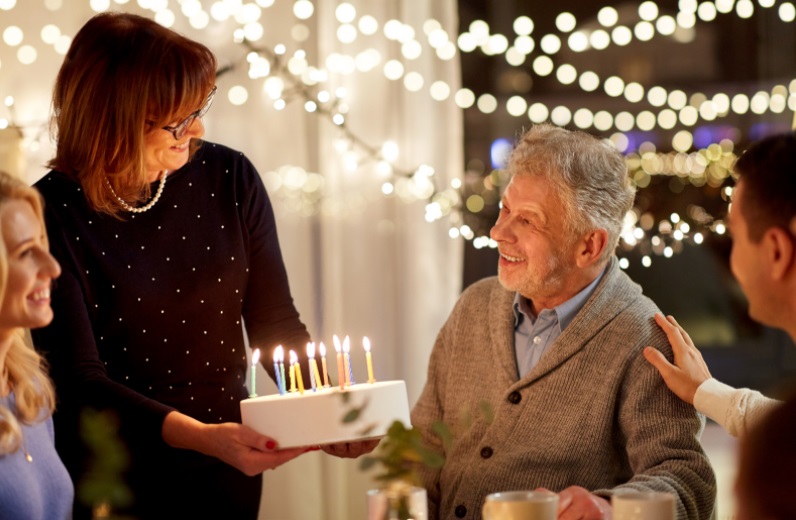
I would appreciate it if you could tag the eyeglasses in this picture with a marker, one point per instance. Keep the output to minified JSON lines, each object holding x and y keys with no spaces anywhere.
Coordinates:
{"x":178,"y":131}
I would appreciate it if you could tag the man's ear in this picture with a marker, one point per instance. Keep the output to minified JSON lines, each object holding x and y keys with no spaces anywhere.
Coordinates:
{"x":591,"y":247}
{"x":779,"y":247}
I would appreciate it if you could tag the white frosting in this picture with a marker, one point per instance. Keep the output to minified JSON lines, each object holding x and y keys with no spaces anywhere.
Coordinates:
{"x":316,"y":418}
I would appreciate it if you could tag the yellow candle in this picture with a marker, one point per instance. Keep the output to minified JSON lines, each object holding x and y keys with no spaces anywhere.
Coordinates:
{"x":322,"y":348}
{"x":315,"y":377}
{"x":299,"y":379}
{"x":314,"y":366}
{"x":366,"y":345}
{"x":340,"y":368}
{"x":292,"y":377}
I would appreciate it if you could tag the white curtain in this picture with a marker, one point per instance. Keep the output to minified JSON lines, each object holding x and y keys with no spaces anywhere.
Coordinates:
{"x":377,"y":268}
{"x":361,"y":264}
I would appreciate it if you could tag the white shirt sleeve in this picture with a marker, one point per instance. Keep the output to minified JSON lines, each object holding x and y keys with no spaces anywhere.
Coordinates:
{"x":734,"y":409}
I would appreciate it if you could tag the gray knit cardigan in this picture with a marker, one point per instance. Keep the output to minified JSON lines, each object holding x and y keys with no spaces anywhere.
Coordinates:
{"x":592,"y":413}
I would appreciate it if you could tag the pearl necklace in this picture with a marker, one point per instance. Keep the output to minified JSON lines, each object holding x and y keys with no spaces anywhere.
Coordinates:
{"x":149,"y":205}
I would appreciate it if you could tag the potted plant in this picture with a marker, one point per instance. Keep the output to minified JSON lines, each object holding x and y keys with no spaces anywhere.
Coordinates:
{"x":399,"y":456}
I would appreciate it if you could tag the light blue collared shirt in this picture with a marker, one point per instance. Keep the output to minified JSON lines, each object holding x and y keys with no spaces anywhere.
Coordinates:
{"x":533,"y":335}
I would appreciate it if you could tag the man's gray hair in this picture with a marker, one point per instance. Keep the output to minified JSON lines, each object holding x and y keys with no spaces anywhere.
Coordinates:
{"x":589,"y":175}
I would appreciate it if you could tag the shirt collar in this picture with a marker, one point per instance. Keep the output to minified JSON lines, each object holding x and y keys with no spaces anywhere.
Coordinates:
{"x":565,"y":312}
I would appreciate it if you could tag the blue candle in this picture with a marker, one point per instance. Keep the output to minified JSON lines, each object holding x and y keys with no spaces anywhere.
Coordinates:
{"x":347,"y":351}
{"x":276,"y":371}
{"x":281,"y":353}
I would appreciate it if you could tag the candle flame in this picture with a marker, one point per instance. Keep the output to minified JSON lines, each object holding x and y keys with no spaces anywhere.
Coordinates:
{"x":256,"y":356}
{"x":346,"y":345}
{"x":279,"y":354}
{"x":322,"y":349}
{"x":366,"y":344}
{"x":293,"y":358}
{"x":311,"y":349}
{"x":337,"y":346}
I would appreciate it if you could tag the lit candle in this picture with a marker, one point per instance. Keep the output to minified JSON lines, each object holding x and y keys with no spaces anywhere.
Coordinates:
{"x":276,"y":370}
{"x":311,"y":357}
{"x":255,"y":360}
{"x":281,"y":353}
{"x":299,"y":379}
{"x":322,"y":348}
{"x":349,"y":375}
{"x":340,"y":368}
{"x":368,"y":358}
{"x":292,"y":376}
{"x":315,"y":377}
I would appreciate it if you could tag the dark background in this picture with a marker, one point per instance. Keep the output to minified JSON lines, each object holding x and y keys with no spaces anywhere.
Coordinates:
{"x":730,"y":55}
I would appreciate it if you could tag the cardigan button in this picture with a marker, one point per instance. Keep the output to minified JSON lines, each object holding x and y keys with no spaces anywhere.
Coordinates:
{"x":460,"y":511}
{"x":486,"y":452}
{"x":515,"y":397}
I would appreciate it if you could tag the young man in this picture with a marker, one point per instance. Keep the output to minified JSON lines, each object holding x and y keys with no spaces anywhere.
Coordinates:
{"x":762,"y":220}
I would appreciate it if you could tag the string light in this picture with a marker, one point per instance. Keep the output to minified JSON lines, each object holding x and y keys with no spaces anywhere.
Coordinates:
{"x":290,"y":76}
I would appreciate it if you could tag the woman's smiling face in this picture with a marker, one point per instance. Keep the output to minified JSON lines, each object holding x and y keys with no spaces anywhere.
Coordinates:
{"x":163,"y":152}
{"x":31,"y":269}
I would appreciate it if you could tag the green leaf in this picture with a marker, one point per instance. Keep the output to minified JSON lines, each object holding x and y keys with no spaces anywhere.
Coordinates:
{"x":367,"y":429}
{"x":433,"y":460}
{"x":368,"y":462}
{"x":351,"y":416}
{"x":443,"y":432}
{"x":486,"y":411}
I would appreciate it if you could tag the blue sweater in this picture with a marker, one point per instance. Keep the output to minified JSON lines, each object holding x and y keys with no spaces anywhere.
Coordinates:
{"x":36,"y":490}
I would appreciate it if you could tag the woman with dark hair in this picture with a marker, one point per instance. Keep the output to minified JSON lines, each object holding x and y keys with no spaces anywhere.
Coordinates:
{"x":33,"y":481}
{"x":168,"y":246}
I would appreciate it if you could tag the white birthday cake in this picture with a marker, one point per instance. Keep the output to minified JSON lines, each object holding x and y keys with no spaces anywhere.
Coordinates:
{"x":330,"y":415}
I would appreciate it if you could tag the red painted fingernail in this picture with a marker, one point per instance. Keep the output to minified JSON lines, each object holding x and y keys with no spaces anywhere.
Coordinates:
{"x":270,"y":445}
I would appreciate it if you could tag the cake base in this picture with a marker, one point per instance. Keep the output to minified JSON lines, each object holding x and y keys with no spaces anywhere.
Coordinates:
{"x":317,"y":418}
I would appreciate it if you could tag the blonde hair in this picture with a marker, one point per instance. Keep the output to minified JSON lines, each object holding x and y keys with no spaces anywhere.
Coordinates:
{"x":24,"y":370}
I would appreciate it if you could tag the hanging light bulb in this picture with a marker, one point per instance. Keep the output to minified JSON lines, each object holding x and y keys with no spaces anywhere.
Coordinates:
{"x":303,"y":9}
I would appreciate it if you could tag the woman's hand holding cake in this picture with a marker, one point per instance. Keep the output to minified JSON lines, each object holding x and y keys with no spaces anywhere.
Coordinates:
{"x":235,"y":444}
{"x":351,"y":450}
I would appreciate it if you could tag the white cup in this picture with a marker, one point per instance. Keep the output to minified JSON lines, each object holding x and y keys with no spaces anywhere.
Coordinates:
{"x":643,"y":505}
{"x":379,"y":503}
{"x":521,"y":505}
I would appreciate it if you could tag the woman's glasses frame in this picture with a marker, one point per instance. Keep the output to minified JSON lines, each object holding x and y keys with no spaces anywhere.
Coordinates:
{"x":179,"y":130}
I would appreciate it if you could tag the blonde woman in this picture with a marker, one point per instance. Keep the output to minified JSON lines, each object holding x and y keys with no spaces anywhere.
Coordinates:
{"x":34,"y":485}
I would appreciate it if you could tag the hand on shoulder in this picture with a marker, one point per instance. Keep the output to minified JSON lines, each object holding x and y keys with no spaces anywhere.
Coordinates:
{"x":689,"y":369}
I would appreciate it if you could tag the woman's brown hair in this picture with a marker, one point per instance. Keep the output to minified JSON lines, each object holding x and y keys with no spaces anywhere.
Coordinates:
{"x":124,"y":76}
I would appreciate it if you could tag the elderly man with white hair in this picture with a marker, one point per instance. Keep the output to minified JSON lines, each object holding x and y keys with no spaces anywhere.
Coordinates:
{"x":553,"y":345}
